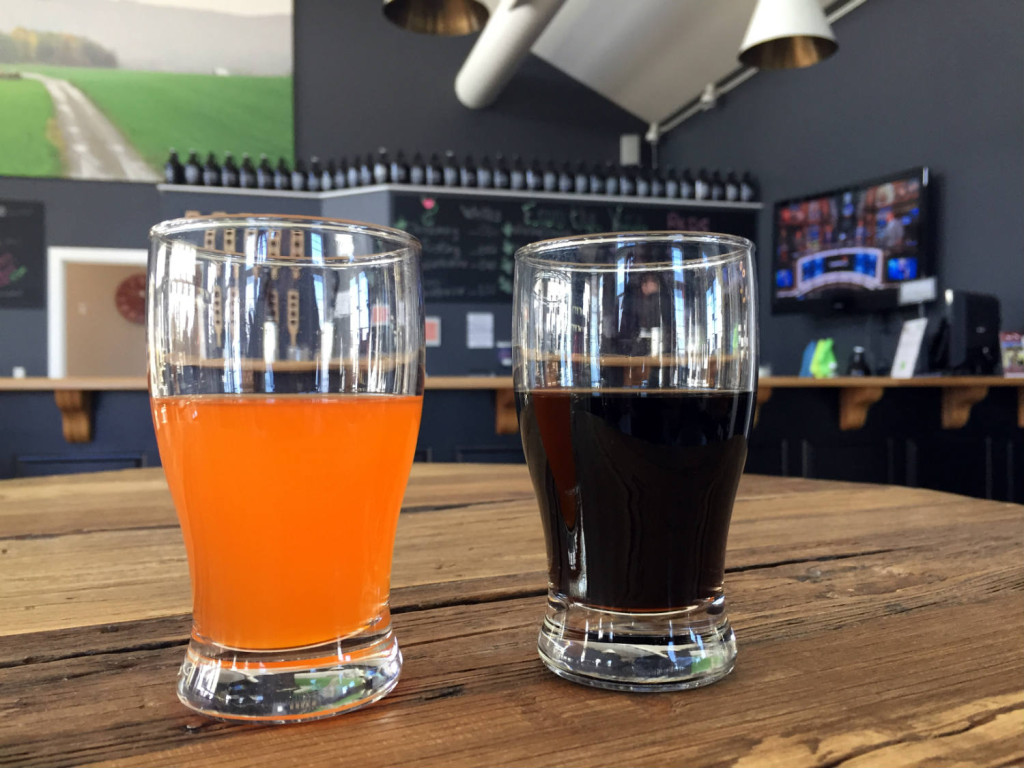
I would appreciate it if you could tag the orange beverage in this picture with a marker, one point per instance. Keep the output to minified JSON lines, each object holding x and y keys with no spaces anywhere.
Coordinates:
{"x":288,"y":506}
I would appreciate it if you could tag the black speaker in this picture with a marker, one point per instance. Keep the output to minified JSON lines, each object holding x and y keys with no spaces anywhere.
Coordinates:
{"x":966,"y":340}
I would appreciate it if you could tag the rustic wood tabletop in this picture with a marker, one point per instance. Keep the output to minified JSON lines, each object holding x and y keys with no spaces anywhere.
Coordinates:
{"x":877,"y":626}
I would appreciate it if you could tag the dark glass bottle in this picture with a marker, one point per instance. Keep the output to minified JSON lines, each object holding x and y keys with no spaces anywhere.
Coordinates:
{"x":687,"y":186}
{"x":749,"y":191}
{"x":264,"y":174}
{"x":211,"y":171}
{"x":627,"y":182}
{"x":354,"y":176}
{"x":314,"y":176}
{"x":534,"y":176}
{"x":596,"y":181}
{"x":717,"y":187}
{"x":247,"y":172}
{"x":339,"y":174}
{"x":611,"y":179}
{"x":327,"y":176}
{"x":366,"y":171}
{"x":657,"y":184}
{"x":282,"y":175}
{"x":381,"y":167}
{"x":298,"y":177}
{"x":193,"y":169}
{"x":336,"y":173}
{"x":671,"y":183}
{"x":451,"y":169}
{"x":174,"y":171}
{"x":702,"y":186}
{"x":501,"y":175}
{"x":517,"y":176}
{"x":434,"y":171}
{"x":581,"y":180}
{"x":643,"y":182}
{"x":485,"y":173}
{"x":398,"y":172}
{"x":732,"y":188}
{"x":550,"y":177}
{"x":467,"y":172}
{"x":229,"y":171}
{"x":565,"y":179}
{"x":417,"y":170}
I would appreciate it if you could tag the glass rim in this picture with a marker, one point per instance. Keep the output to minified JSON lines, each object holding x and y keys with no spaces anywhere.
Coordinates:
{"x":397,"y":240}
{"x":534,"y":253}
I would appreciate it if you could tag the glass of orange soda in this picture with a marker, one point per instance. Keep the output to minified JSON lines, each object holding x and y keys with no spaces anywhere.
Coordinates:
{"x":286,"y":367}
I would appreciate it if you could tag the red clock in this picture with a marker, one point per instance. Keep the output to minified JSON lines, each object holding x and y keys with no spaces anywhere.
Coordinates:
{"x":130,"y":298}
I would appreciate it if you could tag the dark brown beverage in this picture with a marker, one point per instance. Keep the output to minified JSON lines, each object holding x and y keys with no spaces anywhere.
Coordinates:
{"x":636,"y":489}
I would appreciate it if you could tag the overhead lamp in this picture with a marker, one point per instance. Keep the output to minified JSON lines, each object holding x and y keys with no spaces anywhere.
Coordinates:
{"x":437,"y":17}
{"x":787,"y":34}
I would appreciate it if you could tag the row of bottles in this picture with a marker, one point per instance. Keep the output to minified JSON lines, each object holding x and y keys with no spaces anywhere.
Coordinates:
{"x":316,"y":176}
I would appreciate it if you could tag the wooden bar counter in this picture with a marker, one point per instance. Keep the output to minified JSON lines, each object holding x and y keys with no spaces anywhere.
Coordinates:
{"x":877,"y":626}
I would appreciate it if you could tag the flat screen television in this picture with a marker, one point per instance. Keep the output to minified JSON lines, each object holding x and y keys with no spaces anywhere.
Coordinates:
{"x":852,"y":248}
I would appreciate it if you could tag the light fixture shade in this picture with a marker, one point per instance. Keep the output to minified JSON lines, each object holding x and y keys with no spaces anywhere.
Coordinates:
{"x":437,"y":17}
{"x":787,"y":34}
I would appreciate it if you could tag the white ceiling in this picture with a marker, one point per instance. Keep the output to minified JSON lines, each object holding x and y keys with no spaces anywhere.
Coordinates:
{"x":648,"y":56}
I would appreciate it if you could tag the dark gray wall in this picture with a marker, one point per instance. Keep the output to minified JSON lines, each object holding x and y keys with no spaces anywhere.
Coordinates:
{"x":937,"y":83}
{"x":362,"y":82}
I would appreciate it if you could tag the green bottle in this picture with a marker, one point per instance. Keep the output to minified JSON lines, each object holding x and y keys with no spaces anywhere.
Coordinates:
{"x":824,"y":363}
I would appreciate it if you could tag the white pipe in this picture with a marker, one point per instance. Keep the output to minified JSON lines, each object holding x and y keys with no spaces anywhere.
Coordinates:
{"x":511,"y":32}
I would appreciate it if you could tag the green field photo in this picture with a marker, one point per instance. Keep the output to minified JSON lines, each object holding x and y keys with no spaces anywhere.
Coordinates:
{"x":28,"y":136}
{"x":156,"y":111}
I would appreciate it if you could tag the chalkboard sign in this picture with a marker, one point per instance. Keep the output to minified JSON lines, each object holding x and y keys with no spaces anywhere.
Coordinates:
{"x":22,"y":255}
{"x":469,"y":241}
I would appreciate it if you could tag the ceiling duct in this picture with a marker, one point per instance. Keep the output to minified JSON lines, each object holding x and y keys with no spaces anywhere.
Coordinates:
{"x":506,"y":40}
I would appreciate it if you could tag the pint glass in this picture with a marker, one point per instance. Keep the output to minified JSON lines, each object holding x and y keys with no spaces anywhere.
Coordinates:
{"x":635,"y":360}
{"x":286,"y":369}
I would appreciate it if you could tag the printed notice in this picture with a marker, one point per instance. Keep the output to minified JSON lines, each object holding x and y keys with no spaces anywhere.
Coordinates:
{"x":908,"y":348}
{"x":480,"y":330}
{"x":432,"y":326}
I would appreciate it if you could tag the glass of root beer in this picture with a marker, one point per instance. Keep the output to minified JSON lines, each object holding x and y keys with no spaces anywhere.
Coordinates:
{"x":635,"y":368}
{"x":286,"y":368}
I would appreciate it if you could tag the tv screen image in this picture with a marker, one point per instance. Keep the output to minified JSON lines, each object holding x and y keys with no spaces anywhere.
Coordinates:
{"x":852,"y":247}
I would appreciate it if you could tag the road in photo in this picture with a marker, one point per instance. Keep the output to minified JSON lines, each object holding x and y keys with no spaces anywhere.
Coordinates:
{"x":93,"y":147}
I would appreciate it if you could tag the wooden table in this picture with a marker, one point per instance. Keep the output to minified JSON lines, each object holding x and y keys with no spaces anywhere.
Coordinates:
{"x":877,"y":626}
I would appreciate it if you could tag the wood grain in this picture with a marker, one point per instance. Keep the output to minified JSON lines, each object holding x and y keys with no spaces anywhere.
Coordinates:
{"x":876,"y":625}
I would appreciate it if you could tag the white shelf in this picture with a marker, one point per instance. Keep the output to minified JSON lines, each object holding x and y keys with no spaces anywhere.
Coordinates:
{"x":490,"y":193}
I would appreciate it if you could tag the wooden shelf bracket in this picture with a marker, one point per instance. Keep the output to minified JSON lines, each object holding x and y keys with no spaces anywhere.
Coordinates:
{"x":957,"y":403}
{"x":76,"y":414}
{"x":854,"y":403}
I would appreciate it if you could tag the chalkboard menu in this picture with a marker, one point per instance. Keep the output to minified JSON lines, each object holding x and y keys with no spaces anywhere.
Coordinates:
{"x":469,"y":241}
{"x":22,"y":255}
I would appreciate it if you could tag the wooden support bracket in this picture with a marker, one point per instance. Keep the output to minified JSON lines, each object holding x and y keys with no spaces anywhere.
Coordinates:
{"x":854,"y":403}
{"x":957,"y":403}
{"x":506,"y":422}
{"x":76,"y":414}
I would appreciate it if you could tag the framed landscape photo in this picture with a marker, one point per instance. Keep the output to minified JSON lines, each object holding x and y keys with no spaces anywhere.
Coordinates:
{"x":104,"y":89}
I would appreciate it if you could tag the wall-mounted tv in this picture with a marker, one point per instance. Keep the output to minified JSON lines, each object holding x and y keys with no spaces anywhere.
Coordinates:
{"x":852,"y":248}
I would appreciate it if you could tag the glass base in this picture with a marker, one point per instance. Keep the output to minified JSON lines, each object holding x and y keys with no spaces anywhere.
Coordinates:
{"x":292,"y":685}
{"x":663,"y":651}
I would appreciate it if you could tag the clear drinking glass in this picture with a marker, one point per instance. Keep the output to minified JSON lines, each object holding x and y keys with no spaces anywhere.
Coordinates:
{"x":286,"y":365}
{"x":635,"y":365}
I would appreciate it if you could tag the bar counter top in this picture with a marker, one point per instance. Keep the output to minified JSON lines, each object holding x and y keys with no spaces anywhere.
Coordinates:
{"x":877,"y":625}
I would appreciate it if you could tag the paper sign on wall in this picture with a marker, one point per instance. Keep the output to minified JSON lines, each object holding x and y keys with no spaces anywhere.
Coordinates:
{"x":908,"y":348}
{"x":432,"y":326}
{"x":480,"y":330}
